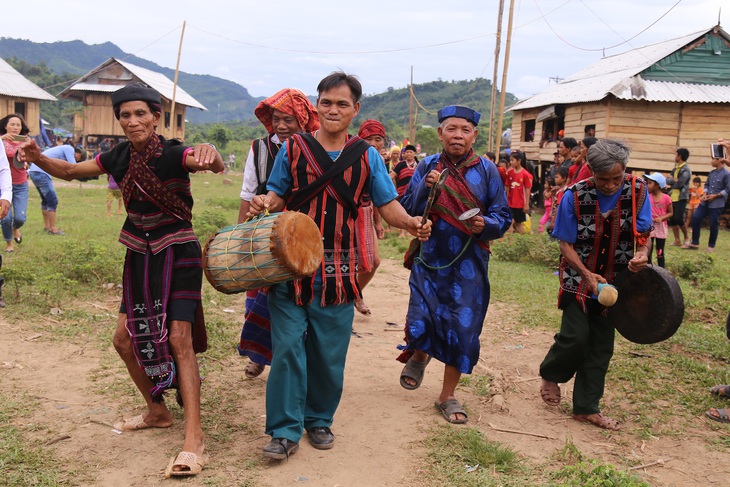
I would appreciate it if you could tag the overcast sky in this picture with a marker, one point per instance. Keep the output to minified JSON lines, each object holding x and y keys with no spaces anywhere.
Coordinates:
{"x":266,"y":46}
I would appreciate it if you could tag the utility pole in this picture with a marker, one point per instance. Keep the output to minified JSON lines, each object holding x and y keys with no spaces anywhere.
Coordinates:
{"x":504,"y":72}
{"x":173,"y":118}
{"x":411,"y":125}
{"x":493,"y":101}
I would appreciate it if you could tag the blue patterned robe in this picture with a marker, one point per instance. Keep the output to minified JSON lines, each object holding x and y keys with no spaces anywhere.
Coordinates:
{"x":447,"y":306}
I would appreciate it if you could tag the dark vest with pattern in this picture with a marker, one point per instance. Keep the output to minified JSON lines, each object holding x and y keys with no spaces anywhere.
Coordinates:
{"x":264,"y":152}
{"x":334,"y":210}
{"x":605,"y":245}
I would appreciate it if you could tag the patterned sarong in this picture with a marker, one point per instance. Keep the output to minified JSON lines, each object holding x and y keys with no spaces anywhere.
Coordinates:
{"x":256,"y":333}
{"x":146,"y":301}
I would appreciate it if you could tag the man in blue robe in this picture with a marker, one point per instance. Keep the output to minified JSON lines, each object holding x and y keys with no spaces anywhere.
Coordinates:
{"x":449,"y":277}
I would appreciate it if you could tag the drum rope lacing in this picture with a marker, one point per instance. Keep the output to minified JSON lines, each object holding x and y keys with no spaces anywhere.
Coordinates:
{"x":255,"y":226}
{"x":228,"y":268}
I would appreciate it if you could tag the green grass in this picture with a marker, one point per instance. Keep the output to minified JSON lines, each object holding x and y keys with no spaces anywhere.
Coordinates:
{"x":453,"y":450}
{"x":73,"y":273}
{"x":23,"y":462}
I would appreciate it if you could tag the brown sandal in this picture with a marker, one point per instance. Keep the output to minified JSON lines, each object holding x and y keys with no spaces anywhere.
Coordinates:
{"x":253,"y":370}
{"x":550,"y":393}
{"x":597,"y":419}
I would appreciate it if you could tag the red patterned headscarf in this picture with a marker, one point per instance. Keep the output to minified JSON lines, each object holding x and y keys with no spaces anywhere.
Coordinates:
{"x":371,"y":127}
{"x":292,"y":102}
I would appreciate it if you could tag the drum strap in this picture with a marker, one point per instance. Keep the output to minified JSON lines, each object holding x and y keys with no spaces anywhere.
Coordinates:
{"x":318,"y":157}
{"x":640,"y":239}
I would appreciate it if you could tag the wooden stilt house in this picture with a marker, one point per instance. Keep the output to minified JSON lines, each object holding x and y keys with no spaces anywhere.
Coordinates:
{"x":656,"y":98}
{"x":20,"y":95}
{"x":95,"y":89}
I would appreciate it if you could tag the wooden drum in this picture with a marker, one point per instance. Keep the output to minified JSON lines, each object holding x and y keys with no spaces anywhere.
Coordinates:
{"x":264,"y":251}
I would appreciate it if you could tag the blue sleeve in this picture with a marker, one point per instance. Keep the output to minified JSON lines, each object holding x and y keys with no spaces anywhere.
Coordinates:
{"x":498,"y":218}
{"x":382,"y":190}
{"x":726,"y":189}
{"x":280,"y":179}
{"x":644,"y":219}
{"x":566,"y":224}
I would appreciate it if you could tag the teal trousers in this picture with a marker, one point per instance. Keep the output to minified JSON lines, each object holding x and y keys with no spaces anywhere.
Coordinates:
{"x":309,"y":347}
{"x":583,"y":347}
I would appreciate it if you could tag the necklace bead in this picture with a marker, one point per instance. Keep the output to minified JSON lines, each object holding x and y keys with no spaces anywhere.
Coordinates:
{"x":316,"y":134}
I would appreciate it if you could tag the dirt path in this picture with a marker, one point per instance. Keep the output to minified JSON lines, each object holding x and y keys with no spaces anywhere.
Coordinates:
{"x":379,"y":425}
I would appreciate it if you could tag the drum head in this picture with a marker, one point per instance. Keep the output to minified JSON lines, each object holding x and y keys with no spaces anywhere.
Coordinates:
{"x":297,"y":243}
{"x":650,"y":305}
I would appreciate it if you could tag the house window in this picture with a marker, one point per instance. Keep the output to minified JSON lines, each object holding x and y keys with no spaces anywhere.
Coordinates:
{"x":528,"y":130}
{"x":20,"y":109}
{"x":551,"y":129}
{"x":167,"y":120}
{"x":179,"y":121}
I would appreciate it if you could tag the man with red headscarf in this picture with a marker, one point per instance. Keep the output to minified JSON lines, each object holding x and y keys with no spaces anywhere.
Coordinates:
{"x":283,"y":114}
{"x":372,"y":132}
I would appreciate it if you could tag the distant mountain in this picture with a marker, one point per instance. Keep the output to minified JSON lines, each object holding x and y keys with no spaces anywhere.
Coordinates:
{"x":78,"y":58}
{"x":393,"y":107}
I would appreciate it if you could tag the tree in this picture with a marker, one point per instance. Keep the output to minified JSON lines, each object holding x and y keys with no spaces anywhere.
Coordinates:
{"x":428,"y":137}
{"x":220,"y":136}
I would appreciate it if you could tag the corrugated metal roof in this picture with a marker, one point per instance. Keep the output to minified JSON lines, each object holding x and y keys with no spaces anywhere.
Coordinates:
{"x":675,"y":92}
{"x":616,"y":74}
{"x":158,"y":81}
{"x":12,"y":83}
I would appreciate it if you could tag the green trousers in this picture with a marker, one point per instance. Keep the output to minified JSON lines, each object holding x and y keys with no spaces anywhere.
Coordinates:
{"x":309,"y":347}
{"x":583,"y":347}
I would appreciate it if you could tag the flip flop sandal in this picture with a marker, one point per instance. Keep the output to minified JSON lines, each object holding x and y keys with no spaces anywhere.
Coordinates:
{"x":134,"y":424}
{"x":722,"y":417}
{"x":597,"y":419}
{"x":413,"y":370}
{"x":721,"y":391}
{"x":449,"y":408}
{"x":550,"y":393}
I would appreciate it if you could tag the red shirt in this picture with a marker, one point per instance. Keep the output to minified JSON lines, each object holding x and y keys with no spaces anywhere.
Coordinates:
{"x":19,"y":176}
{"x":584,"y":173}
{"x":516,"y":184}
{"x":573,"y":170}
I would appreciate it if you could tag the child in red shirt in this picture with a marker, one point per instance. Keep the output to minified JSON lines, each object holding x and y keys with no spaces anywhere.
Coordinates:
{"x":518,"y":185}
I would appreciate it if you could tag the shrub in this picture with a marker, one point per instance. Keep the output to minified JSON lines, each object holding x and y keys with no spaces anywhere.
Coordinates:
{"x":534,"y":248}
{"x":691,"y":266}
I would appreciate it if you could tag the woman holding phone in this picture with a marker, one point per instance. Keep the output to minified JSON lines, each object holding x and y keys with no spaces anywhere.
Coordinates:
{"x":13,"y":132}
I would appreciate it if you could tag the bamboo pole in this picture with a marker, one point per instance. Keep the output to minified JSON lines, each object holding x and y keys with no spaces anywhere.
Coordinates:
{"x":173,"y":118}
{"x":411,"y":126}
{"x":504,"y":72}
{"x":493,"y":100}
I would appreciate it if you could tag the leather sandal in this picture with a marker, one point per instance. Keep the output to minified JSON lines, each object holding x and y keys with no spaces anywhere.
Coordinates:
{"x":597,"y":419}
{"x":550,"y":393}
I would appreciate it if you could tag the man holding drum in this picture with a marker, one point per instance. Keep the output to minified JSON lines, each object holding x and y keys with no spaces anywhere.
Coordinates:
{"x":597,"y":230}
{"x":160,"y":326}
{"x":324,"y":175}
{"x":284,"y":114}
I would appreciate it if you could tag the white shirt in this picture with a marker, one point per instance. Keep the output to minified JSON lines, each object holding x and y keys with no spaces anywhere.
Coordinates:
{"x":6,"y":180}
{"x":250,"y":181}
